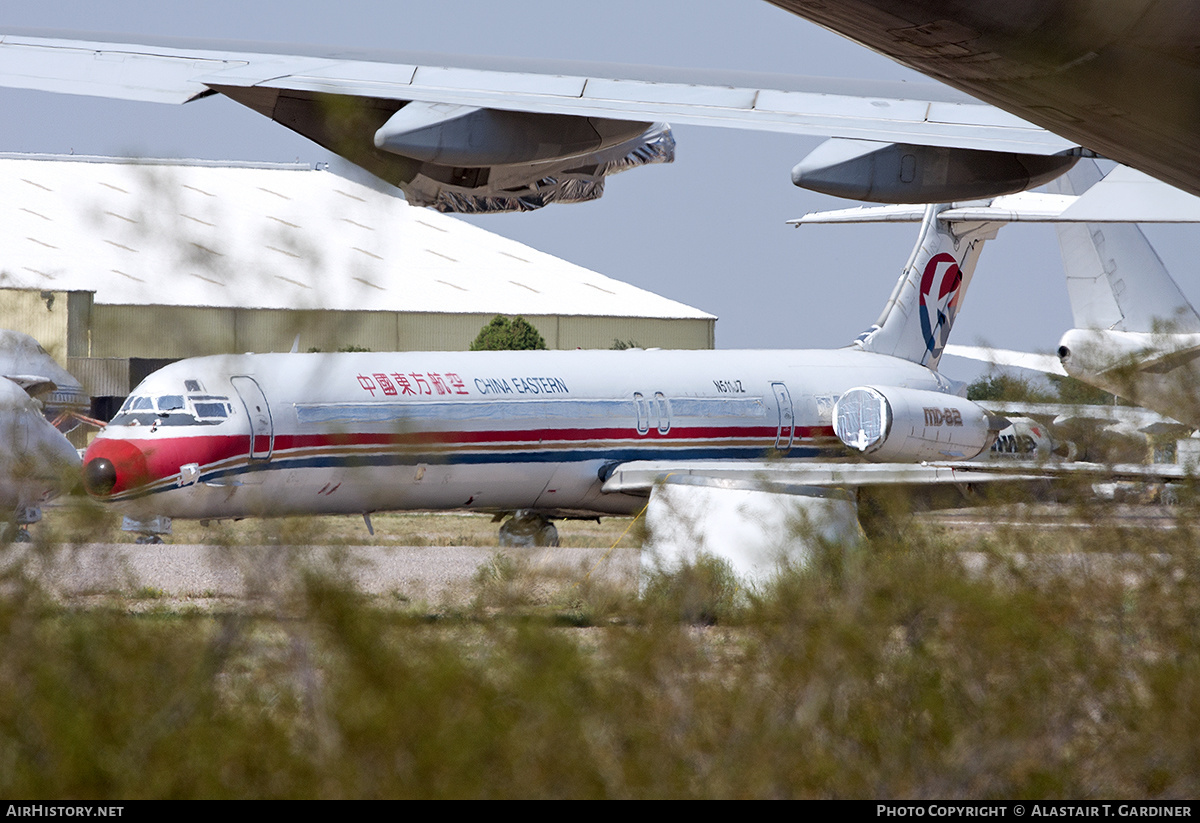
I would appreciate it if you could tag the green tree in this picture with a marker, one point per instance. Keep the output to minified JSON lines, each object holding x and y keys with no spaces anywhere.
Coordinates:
{"x":502,"y":334}
{"x":1003,"y":386}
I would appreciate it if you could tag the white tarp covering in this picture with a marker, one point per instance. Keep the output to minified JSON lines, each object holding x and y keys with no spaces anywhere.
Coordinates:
{"x":754,"y":529}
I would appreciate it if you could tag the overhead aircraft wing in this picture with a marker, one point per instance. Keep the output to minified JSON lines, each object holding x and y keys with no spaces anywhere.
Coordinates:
{"x":476,"y":134}
{"x":925,"y":114}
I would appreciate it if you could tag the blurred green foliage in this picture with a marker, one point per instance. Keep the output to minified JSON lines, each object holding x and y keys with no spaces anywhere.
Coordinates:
{"x":1007,"y":387}
{"x":1004,"y":386}
{"x":1072,"y":390}
{"x":912,"y":667}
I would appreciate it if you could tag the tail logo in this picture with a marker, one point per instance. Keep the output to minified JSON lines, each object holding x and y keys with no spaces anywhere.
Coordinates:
{"x":938,"y":300}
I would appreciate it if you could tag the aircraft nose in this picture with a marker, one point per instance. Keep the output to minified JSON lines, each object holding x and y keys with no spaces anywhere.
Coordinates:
{"x":99,"y":476}
{"x":113,"y":466}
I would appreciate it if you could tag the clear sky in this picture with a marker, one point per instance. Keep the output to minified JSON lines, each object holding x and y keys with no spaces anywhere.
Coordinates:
{"x":707,"y":230}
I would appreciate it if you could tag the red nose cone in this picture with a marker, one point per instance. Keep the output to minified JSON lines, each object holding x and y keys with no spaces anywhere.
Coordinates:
{"x":113,"y":466}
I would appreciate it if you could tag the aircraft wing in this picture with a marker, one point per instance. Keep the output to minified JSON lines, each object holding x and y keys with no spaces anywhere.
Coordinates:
{"x":804,"y":479}
{"x":930,"y":115}
{"x":808,"y":480}
{"x":475,"y":134}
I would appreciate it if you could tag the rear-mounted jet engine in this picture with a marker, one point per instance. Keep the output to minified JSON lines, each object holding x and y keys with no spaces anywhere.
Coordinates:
{"x":887,"y":423}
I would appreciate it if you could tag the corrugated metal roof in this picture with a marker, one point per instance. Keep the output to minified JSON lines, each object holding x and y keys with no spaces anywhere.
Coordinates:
{"x":287,"y":237}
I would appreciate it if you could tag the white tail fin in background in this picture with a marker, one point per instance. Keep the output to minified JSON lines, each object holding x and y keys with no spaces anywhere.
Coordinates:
{"x":1115,"y":279}
{"x":917,"y":319}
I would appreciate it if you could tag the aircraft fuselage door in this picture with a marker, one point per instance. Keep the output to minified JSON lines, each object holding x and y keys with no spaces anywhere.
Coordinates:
{"x":643,"y":412}
{"x":787,"y":417}
{"x":262,"y":429}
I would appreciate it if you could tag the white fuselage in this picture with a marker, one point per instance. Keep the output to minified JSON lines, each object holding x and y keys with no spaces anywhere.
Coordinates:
{"x":273,"y":434}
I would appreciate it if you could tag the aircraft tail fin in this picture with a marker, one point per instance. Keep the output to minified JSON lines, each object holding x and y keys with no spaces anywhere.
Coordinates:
{"x":917,"y":319}
{"x":1115,"y":279}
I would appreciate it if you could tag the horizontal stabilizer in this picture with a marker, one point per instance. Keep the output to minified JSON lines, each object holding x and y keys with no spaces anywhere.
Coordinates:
{"x":1128,"y":196}
{"x":1045,"y":363}
{"x":1124,"y":196}
{"x":901,"y":213}
{"x":1021,"y":207}
{"x":1161,"y":363}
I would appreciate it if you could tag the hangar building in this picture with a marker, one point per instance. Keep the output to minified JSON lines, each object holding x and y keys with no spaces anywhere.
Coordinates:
{"x":116,"y":266}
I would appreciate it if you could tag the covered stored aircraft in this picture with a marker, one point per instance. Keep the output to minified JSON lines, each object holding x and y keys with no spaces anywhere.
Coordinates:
{"x":37,"y":462}
{"x":1136,"y":334}
{"x":558,"y":433}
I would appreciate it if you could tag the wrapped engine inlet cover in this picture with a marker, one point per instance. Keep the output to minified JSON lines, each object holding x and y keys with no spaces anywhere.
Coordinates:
{"x":893,"y":424}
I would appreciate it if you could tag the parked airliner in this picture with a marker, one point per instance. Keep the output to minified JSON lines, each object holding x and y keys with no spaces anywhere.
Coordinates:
{"x":236,"y":436}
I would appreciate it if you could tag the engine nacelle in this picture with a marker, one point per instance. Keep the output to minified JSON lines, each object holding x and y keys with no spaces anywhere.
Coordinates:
{"x":903,"y":173}
{"x":454,"y":135}
{"x":464,"y":159}
{"x":892,"y":424}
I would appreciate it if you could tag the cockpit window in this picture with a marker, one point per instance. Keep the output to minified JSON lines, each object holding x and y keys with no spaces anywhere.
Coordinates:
{"x":191,"y":385}
{"x":209,"y":409}
{"x":173,"y":410}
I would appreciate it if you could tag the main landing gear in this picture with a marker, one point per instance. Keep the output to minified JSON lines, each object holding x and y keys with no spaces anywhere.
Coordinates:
{"x":149,"y":532}
{"x":526,"y":528}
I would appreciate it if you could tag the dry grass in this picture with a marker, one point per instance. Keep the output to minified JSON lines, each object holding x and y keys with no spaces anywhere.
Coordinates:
{"x":932,"y":663}
{"x":395,"y":529}
{"x":79,"y":520}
